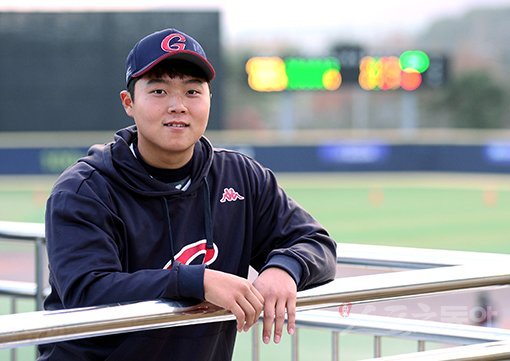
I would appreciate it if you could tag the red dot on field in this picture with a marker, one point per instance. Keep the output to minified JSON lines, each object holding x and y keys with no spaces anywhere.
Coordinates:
{"x":376,"y":196}
{"x":490,"y":197}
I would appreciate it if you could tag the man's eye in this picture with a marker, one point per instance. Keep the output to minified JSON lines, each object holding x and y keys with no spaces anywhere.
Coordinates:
{"x":158,"y":91}
{"x":193,"y":92}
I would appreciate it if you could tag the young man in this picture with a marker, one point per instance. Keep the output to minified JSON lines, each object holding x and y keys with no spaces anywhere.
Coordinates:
{"x":160,"y":213}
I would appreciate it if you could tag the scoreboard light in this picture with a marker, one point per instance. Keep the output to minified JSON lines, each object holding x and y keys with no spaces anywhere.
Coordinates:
{"x":379,"y":73}
{"x":391,"y":73}
{"x":414,"y":60}
{"x":410,"y":80}
{"x":273,"y":74}
{"x":332,"y":79}
{"x":313,"y":74}
{"x":266,"y":74}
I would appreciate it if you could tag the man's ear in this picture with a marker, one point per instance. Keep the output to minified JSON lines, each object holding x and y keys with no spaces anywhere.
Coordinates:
{"x":127,"y":102}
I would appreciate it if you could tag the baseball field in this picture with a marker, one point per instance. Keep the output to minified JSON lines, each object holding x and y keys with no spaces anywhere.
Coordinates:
{"x":446,"y":211}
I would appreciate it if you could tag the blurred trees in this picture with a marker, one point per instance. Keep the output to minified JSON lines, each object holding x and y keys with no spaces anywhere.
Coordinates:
{"x":472,"y":100}
{"x":477,"y":95}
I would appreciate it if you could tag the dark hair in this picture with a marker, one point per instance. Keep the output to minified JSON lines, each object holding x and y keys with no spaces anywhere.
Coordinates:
{"x":172,"y":68}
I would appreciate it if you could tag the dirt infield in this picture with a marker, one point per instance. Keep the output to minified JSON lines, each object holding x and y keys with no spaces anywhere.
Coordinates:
{"x":17,"y":266}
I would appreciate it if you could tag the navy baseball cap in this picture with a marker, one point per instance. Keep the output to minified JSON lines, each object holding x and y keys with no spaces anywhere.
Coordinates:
{"x":165,"y":44}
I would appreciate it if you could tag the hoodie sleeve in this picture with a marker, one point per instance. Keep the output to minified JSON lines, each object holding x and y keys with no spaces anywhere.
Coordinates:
{"x":288,"y":237}
{"x":86,"y":258}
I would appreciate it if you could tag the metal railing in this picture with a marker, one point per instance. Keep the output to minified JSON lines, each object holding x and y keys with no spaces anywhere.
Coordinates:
{"x":34,"y":233}
{"x":382,"y":326}
{"x":426,"y":271}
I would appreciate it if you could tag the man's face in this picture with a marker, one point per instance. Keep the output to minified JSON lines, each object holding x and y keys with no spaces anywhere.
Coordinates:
{"x":171,"y":114}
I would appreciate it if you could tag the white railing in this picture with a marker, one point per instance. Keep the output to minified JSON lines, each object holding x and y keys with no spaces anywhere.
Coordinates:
{"x":425,"y":272}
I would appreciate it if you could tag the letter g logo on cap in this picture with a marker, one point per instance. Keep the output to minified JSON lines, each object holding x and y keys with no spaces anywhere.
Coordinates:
{"x":173,"y":42}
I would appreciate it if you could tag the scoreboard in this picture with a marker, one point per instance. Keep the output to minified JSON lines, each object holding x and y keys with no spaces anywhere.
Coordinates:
{"x":408,"y":71}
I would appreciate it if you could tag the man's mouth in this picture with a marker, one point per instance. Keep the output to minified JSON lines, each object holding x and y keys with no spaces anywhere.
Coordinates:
{"x":176,"y":125}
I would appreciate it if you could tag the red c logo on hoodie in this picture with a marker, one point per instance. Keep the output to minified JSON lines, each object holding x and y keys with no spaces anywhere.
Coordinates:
{"x":188,"y":253}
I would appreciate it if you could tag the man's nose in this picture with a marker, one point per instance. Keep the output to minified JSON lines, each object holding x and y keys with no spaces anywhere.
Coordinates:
{"x":176,"y":104}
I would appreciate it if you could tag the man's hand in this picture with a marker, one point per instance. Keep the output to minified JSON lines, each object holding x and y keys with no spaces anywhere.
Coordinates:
{"x":279,"y":291}
{"x":234,"y":294}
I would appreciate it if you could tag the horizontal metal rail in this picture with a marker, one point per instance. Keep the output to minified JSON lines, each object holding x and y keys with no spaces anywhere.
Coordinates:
{"x":52,"y":326}
{"x":21,"y":230}
{"x":487,"y":351}
{"x":411,"y":258}
{"x":17,"y":288}
{"x":401,"y":327}
{"x":20,"y":289}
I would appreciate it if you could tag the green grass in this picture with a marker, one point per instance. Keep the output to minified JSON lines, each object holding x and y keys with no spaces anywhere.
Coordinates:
{"x":472,"y":215}
{"x":23,"y":199}
{"x":445,"y":211}
{"x":460,"y":212}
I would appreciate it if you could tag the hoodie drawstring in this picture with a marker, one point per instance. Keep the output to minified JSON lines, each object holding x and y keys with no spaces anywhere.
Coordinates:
{"x":169,"y":225}
{"x":208,"y":222}
{"x":208,"y":216}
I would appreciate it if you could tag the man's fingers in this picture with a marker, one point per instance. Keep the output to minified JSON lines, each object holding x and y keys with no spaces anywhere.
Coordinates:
{"x":257,"y":301}
{"x":257,"y":294}
{"x":291,"y":316}
{"x":252,"y":309}
{"x":279,"y":321}
{"x":275,"y":315}
{"x":235,"y":294}
{"x":250,"y":305}
{"x":269,"y":314}
{"x":240,"y":316}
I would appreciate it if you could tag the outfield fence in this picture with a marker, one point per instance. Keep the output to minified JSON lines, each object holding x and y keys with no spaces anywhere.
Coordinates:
{"x":414,"y":272}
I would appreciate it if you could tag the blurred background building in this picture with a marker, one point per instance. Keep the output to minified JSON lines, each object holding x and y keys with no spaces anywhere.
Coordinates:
{"x":64,"y":49}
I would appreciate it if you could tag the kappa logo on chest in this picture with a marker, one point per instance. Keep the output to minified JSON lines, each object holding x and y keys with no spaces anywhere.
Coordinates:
{"x":230,"y":195}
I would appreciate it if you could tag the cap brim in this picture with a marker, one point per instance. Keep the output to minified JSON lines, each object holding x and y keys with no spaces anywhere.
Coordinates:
{"x":192,"y":57}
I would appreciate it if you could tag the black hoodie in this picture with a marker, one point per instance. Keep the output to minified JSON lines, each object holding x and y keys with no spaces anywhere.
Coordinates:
{"x":116,"y":234}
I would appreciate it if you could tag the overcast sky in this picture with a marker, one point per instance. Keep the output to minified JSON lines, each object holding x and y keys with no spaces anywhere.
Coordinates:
{"x":284,"y":20}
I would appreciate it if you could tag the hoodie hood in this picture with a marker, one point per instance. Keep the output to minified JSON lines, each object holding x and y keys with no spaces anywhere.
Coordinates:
{"x":117,"y":161}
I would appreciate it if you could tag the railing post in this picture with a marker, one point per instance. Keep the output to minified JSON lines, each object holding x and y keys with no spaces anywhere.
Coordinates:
{"x":14,"y":309}
{"x":14,"y":354}
{"x":377,"y":346}
{"x":421,"y":345}
{"x":335,"y":349}
{"x":39,"y":272}
{"x":255,"y":345}
{"x":295,"y":346}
